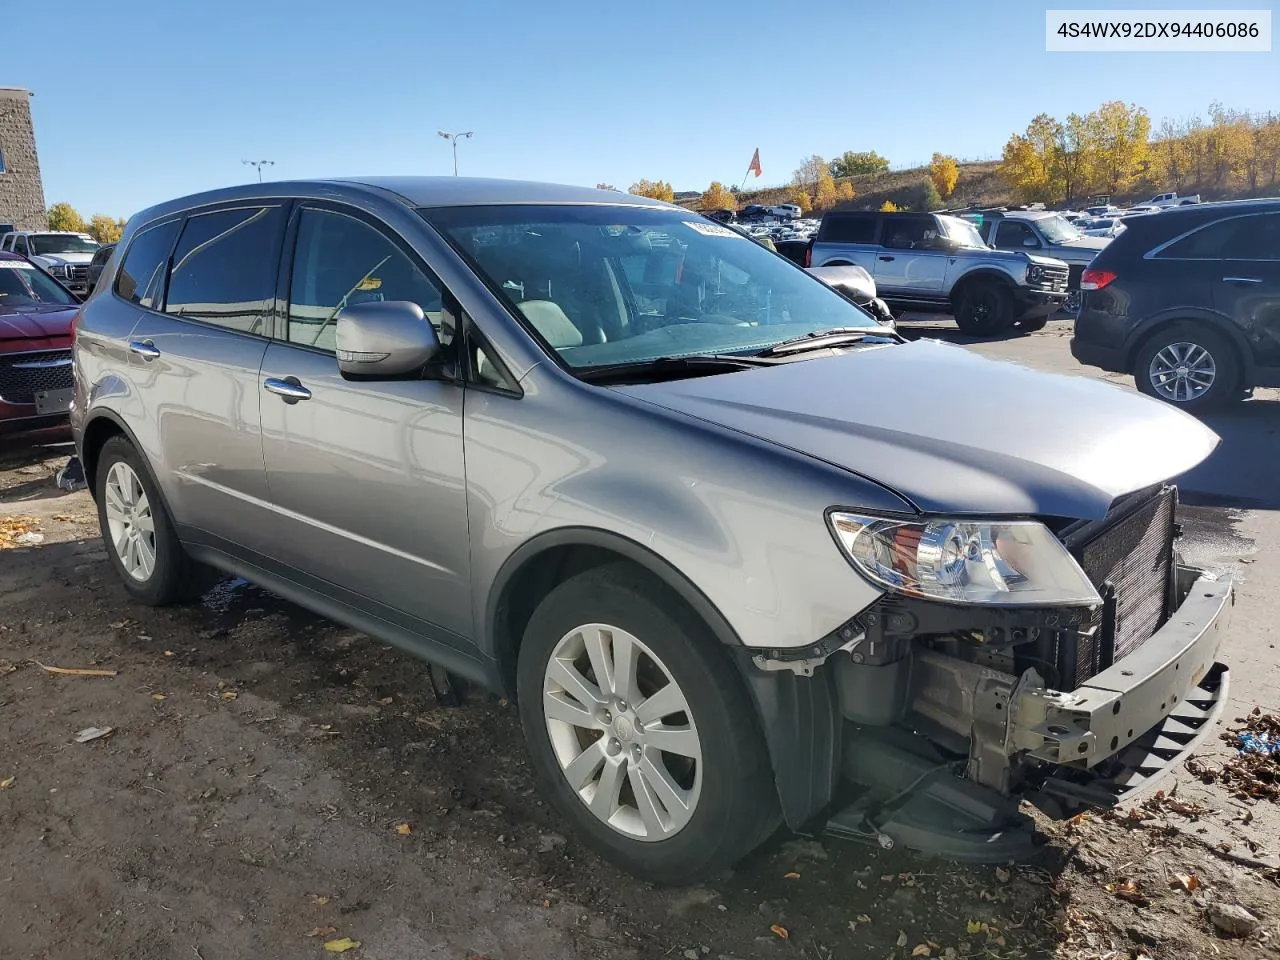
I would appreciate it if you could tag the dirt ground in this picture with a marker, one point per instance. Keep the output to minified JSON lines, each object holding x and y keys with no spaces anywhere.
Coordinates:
{"x":273,"y":782}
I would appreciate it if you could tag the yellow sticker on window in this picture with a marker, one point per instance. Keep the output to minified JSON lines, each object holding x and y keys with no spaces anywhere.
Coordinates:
{"x":369,"y":283}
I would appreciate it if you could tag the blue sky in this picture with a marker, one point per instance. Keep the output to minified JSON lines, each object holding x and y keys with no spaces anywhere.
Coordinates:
{"x":139,"y":101}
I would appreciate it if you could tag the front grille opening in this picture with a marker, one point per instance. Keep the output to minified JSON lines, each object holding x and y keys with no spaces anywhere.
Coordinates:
{"x":22,"y":375}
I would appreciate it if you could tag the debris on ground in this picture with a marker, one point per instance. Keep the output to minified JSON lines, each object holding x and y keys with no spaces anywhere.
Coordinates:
{"x":19,"y":532}
{"x":1232,"y":920}
{"x":71,"y":476}
{"x":93,"y":733}
{"x":1254,"y":772}
{"x":341,"y":945}
{"x":75,"y":671}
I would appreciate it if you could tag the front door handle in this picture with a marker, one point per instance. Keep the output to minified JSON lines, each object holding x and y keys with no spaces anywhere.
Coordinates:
{"x":288,"y":388}
{"x":1241,"y":279}
{"x":885,"y":259}
{"x":144,"y":348}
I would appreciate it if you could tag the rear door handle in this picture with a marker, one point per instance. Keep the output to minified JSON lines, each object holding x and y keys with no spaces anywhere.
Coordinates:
{"x":1241,"y":279}
{"x":144,"y":348}
{"x":288,"y":388}
{"x":885,"y":259}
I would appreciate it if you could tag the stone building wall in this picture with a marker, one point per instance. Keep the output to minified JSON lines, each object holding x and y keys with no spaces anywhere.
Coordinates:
{"x":21,"y":189}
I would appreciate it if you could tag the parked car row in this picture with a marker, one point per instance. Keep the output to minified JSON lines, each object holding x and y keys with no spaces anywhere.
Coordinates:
{"x":65,"y":255}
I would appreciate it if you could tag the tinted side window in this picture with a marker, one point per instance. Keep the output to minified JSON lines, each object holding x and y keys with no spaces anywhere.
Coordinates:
{"x":855,"y":229}
{"x":141,"y":277}
{"x":1012,"y":233}
{"x":339,"y":261}
{"x":1238,"y":238}
{"x":224,"y":269}
{"x":907,"y":233}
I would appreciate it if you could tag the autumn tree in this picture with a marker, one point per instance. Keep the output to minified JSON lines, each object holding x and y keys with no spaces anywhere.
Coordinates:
{"x":889,"y":207}
{"x":810,"y":172}
{"x":655,"y":189}
{"x":850,"y":164}
{"x":104,"y":229}
{"x":800,"y":197}
{"x":845,"y":192}
{"x":718,"y":197}
{"x":825,"y":195}
{"x":1117,"y":140}
{"x":1025,"y":163}
{"x":63,"y":216}
{"x":944,"y":171}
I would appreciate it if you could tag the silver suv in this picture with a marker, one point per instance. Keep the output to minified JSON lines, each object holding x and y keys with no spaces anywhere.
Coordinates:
{"x":928,"y":262}
{"x":691,"y":507}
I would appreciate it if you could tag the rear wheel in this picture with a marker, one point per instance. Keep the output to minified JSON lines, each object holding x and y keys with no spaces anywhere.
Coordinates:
{"x":1190,"y":366}
{"x":137,"y":530}
{"x":639,"y":730}
{"x":984,"y":308}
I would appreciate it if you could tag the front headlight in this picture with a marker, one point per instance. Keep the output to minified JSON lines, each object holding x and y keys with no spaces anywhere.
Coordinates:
{"x":1000,"y":562}
{"x":1035,"y":273}
{"x":60,"y":270}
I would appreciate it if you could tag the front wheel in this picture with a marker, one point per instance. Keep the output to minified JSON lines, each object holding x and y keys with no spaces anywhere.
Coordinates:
{"x":984,"y":309}
{"x":1033,"y":324}
{"x":1189,"y":365}
{"x":639,"y":730}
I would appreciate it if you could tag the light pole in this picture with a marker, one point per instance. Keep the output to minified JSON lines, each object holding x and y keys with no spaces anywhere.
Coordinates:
{"x":259,"y":164}
{"x":454,"y":138}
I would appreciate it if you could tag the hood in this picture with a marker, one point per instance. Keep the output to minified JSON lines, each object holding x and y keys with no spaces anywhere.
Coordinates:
{"x":952,"y":431}
{"x":37,"y":321}
{"x":1083,"y":244}
{"x":49,"y":259}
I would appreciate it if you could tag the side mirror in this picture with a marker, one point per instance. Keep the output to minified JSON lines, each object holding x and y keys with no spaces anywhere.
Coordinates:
{"x":387,"y":338}
{"x":1031,"y":242}
{"x":945,"y":244}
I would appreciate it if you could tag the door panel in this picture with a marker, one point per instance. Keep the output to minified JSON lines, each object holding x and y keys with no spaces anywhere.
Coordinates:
{"x":1248,"y":291}
{"x":366,"y":478}
{"x":904,"y":264}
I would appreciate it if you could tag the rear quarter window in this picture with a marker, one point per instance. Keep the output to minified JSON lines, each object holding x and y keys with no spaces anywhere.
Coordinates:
{"x":1251,"y":237}
{"x":850,"y":229}
{"x":140,"y":279}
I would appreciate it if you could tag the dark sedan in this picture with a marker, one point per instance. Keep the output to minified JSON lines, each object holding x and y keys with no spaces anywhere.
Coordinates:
{"x":36,"y":314}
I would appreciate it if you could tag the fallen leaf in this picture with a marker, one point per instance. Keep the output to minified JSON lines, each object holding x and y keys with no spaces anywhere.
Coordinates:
{"x":791,"y":876}
{"x":7,"y":782}
{"x":1188,"y":881}
{"x":973,"y":926}
{"x":779,"y":931}
{"x":863,"y":918}
{"x":1003,"y":875}
{"x":1078,"y":819}
{"x":902,"y":938}
{"x":403,"y":829}
{"x":168,"y":653}
{"x":322,"y":931}
{"x":93,"y":733}
{"x":385,"y":701}
{"x":341,"y":945}
{"x":921,"y":950}
{"x":121,"y":624}
{"x":158,"y":696}
{"x":229,"y":694}
{"x":74,"y":671}
{"x":319,"y":899}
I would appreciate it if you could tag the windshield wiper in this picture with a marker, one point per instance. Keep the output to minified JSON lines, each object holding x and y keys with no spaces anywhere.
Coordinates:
{"x":669,"y":368}
{"x":822,"y":339}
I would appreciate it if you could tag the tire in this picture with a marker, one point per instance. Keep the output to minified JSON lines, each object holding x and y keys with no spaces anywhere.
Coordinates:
{"x":718,"y":764}
{"x":1211,"y":371}
{"x":1033,"y":324}
{"x":126,"y":490}
{"x":984,"y":309}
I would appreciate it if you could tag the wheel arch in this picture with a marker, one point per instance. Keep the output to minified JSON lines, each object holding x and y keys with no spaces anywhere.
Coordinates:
{"x":1158,"y":324}
{"x":981,"y":275}
{"x":101,"y":426}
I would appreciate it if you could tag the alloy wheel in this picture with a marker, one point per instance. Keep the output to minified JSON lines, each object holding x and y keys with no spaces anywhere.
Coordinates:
{"x":129,"y":521}
{"x":622,"y":732}
{"x":1182,"y":371}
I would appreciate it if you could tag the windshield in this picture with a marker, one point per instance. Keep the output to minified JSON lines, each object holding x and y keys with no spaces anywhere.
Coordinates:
{"x":21,"y":284}
{"x":46,"y":243}
{"x":962,"y":232}
{"x":1057,"y":230}
{"x":605,"y":285}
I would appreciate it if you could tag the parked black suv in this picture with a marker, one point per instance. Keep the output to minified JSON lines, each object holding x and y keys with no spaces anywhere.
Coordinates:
{"x":1188,"y":302}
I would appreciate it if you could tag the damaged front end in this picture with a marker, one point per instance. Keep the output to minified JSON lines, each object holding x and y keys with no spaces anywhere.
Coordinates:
{"x":951,"y":714}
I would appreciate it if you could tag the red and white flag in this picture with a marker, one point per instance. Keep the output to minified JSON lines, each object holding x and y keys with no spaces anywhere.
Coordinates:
{"x":755,"y":163}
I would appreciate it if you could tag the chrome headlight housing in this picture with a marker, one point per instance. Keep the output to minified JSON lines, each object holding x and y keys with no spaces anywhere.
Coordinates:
{"x":1013,"y":563}
{"x":1035,"y":273}
{"x":60,"y":270}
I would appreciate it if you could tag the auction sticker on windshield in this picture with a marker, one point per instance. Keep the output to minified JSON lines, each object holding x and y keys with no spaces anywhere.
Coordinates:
{"x":711,"y":229}
{"x":16,"y":265}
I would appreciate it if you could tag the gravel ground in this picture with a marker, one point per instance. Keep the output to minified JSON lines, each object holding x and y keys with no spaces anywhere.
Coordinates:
{"x":273,"y":782}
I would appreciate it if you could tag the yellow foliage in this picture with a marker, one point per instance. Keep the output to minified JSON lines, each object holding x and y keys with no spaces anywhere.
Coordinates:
{"x":104,"y":229}
{"x":845,"y":191}
{"x":718,"y":197}
{"x":63,"y":216}
{"x":656,"y":189}
{"x":944,"y":171}
{"x":889,"y":207}
{"x":800,"y":197}
{"x":825,"y":196}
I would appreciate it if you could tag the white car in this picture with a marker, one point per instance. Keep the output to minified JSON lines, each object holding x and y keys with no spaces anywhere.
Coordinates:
{"x":62,"y":253}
